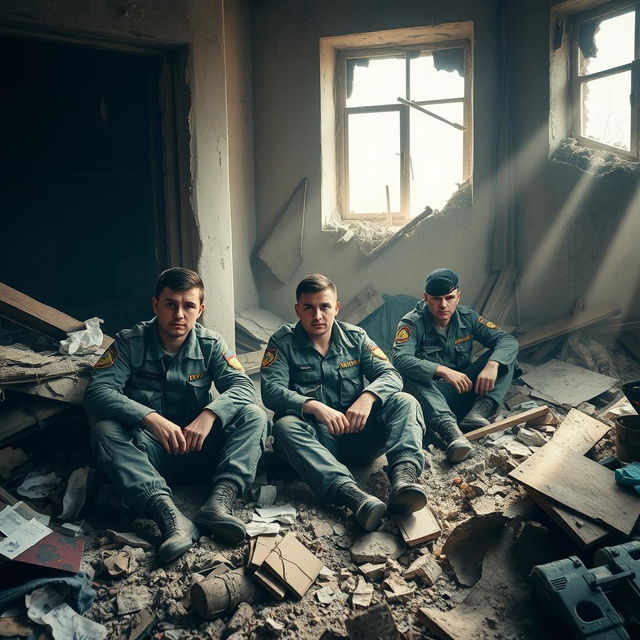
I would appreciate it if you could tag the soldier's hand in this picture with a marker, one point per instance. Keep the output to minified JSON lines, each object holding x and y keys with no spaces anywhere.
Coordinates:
{"x":336,"y":422}
{"x":486,"y":380}
{"x":358,"y":413}
{"x":168,"y":434}
{"x":460,"y":381}
{"x":198,"y":430}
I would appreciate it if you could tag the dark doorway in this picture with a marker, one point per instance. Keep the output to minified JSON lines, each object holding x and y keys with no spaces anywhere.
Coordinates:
{"x":82,"y":214}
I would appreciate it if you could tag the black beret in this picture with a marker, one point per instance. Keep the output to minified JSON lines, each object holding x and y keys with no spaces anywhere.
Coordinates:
{"x":440,"y":282}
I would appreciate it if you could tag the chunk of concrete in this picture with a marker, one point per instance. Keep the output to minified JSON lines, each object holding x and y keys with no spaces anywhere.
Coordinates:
{"x":376,"y":548}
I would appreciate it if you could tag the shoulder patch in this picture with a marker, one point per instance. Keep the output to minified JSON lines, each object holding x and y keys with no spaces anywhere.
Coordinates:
{"x":107,"y":358}
{"x":269,"y":357}
{"x":197,"y":376}
{"x":463,"y":339}
{"x":377,"y":352}
{"x":348,"y":363}
{"x":487,"y":323}
{"x":403,"y":334}
{"x":233,"y":362}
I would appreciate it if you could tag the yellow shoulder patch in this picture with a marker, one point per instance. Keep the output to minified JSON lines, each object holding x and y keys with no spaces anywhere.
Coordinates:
{"x":402,"y":335}
{"x":107,"y":358}
{"x":463,"y":339}
{"x":234,"y":363}
{"x":348,"y":363}
{"x":487,"y":323}
{"x":378,"y":352}
{"x":269,"y":357}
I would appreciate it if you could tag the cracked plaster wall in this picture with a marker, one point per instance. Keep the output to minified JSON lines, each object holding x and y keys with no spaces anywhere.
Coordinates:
{"x":285,"y":37}
{"x":218,"y":76}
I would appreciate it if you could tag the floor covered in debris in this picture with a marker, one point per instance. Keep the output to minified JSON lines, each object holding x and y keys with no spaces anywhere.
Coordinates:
{"x":467,"y":578}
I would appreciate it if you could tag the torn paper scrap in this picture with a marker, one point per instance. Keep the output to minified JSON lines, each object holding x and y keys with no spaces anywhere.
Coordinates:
{"x":262,"y":529}
{"x":272,"y":512}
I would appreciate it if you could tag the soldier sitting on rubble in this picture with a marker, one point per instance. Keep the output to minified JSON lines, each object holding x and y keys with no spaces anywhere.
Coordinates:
{"x":154,"y":418}
{"x":432,"y":351}
{"x":313,"y":378}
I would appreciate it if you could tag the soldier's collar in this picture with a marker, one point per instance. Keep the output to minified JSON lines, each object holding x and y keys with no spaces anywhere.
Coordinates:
{"x":454,"y":323}
{"x":190,"y":348}
{"x":338,"y":338}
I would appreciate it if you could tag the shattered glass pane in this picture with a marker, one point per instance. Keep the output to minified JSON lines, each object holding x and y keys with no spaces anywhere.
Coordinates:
{"x":374,"y":162}
{"x":613,"y":43}
{"x":436,"y":157}
{"x":427,"y":83}
{"x":381,"y":81}
{"x":606,"y":110}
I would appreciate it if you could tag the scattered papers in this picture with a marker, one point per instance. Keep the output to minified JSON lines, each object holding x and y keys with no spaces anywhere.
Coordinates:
{"x":21,"y":534}
{"x":288,"y":520}
{"x":564,"y":383}
{"x":262,"y":529}
{"x":274,"y":512}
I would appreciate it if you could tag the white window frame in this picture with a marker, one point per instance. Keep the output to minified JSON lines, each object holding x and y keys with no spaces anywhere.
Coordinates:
{"x":576,"y":80}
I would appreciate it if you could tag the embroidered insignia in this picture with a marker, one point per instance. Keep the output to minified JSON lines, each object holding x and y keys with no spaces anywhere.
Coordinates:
{"x":349,"y":363}
{"x":234,"y":363}
{"x":269,"y":357}
{"x":197,"y":376}
{"x":465,"y":339}
{"x":107,"y":358}
{"x":487,"y":323}
{"x":378,"y":352}
{"x":403,"y":334}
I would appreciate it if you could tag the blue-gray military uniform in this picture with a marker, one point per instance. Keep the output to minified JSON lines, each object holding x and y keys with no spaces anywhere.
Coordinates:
{"x":419,"y":348}
{"x":135,"y":377}
{"x":294,"y":372}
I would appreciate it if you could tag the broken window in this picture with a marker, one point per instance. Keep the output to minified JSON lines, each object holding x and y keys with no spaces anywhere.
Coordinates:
{"x":404,"y":134}
{"x":604,"y":78}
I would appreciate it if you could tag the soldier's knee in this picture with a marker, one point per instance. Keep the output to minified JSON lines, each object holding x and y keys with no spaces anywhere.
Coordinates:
{"x":106,"y":430}
{"x":403,"y":399}
{"x":284,"y":427}
{"x":254,"y":413}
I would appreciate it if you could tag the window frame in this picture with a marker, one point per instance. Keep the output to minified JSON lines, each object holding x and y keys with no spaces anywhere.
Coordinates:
{"x":576,"y":81}
{"x":402,"y":217}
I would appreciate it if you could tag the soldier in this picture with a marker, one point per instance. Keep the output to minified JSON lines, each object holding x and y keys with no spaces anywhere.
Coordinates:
{"x":432,"y":351}
{"x":313,"y":378}
{"x":150,"y":398}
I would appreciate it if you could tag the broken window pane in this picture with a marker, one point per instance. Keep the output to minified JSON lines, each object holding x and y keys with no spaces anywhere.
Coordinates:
{"x":436,"y":157}
{"x":381,"y":81}
{"x":606,"y":110}
{"x":374,"y":162}
{"x":613,"y":44}
{"x":427,"y":83}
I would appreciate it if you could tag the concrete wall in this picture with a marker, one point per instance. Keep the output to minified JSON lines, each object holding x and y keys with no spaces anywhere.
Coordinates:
{"x":287,"y":146}
{"x":577,"y":233}
{"x":215,"y":86}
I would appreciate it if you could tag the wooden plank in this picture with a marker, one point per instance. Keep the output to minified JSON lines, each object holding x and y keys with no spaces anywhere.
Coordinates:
{"x":579,"y":432}
{"x":418,"y":527}
{"x":566,"y":325}
{"x":24,"y":310}
{"x":69,"y":390}
{"x":14,"y":419}
{"x":509,"y":421}
{"x":582,"y":530}
{"x":580,"y":484}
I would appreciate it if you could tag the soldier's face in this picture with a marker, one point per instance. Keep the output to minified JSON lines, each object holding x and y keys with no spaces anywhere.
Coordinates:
{"x":317,"y":312}
{"x":177,"y":312}
{"x":442,"y":307}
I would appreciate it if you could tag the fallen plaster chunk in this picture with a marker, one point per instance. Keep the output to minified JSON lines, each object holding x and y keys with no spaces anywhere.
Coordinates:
{"x":274,"y":512}
{"x":262,"y":529}
{"x":129,"y":538}
{"x":531,"y":437}
{"x":425,"y":568}
{"x":396,"y":589}
{"x":362,"y":594}
{"x":132,"y":598}
{"x":376,"y":547}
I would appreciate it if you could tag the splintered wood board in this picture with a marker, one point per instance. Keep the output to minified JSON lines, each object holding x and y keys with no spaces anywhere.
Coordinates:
{"x":566,"y":325}
{"x":24,"y":310}
{"x":582,"y":530}
{"x":509,"y":421}
{"x":579,"y":432}
{"x":580,"y":484}
{"x":418,"y":527}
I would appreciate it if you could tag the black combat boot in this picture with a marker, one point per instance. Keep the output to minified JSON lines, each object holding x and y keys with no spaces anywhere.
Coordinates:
{"x":458,"y":448}
{"x":406,"y":495}
{"x":483,"y":409}
{"x":367,"y":509}
{"x":178,"y":532}
{"x":216,"y":514}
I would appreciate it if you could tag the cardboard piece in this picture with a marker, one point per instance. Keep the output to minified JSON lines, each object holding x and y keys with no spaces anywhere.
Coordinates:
{"x":564,"y":383}
{"x":418,"y":527}
{"x":259,"y":549}
{"x":282,"y":251}
{"x":270,"y":583}
{"x":509,"y":421}
{"x":292,"y":563}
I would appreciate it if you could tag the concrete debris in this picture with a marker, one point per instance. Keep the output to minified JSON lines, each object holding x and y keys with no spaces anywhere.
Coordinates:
{"x":362,"y":594}
{"x":376,"y":622}
{"x":128,"y":538}
{"x":132,"y":598}
{"x":397,"y":589}
{"x":243,"y":614}
{"x":372,"y":571}
{"x":425,"y":568}
{"x":531,"y":437}
{"x":320,"y":528}
{"x":326,"y":595}
{"x":376,"y":547}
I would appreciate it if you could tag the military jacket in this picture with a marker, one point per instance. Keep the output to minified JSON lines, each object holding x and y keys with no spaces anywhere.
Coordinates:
{"x":418,"y":348}
{"x":293,"y":371}
{"x":135,"y":377}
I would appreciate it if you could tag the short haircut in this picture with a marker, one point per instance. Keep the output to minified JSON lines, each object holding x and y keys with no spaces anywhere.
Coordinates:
{"x":313,"y":283}
{"x":179,"y":279}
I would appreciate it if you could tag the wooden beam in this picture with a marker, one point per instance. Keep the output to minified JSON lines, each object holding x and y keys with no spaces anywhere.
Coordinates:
{"x":507,"y":422}
{"x":566,"y":325}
